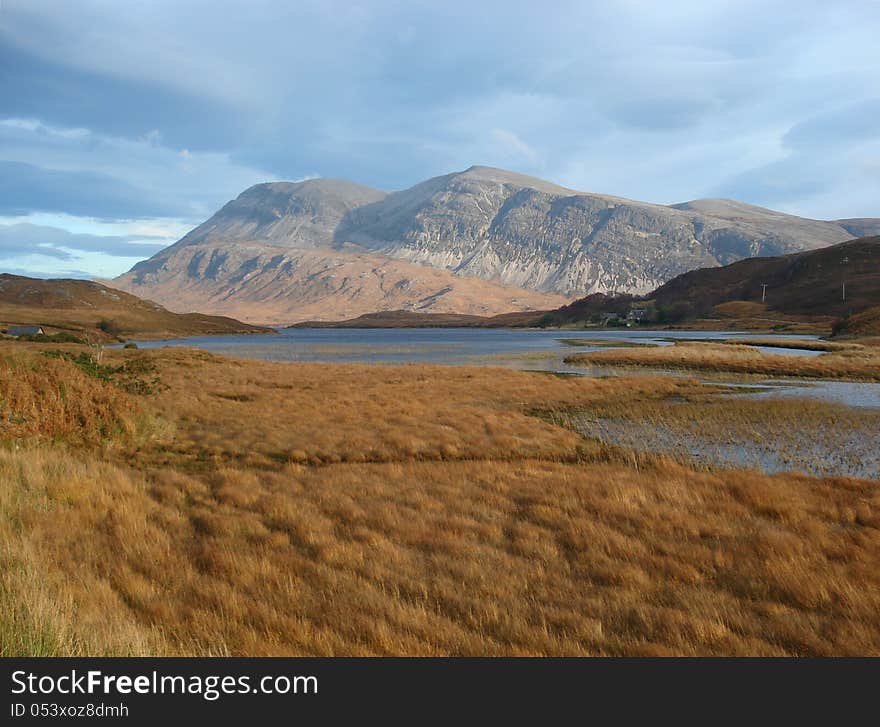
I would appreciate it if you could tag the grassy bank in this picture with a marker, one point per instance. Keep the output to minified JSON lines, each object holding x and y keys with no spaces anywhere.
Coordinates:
{"x":861,"y":364}
{"x":800,"y":344}
{"x":260,"y":508}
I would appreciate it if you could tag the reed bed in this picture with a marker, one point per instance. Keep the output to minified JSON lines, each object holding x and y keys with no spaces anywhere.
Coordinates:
{"x":853,"y":365}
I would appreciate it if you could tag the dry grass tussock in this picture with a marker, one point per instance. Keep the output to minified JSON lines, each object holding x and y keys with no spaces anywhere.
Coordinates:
{"x":802,"y":344}
{"x":51,"y":398}
{"x":862,"y":364}
{"x":298,"y":509}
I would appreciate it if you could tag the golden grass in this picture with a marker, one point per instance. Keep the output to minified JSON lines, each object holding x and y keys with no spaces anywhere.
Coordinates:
{"x":752,"y":316}
{"x":313,"y":509}
{"x":801,"y":344}
{"x":262,"y":414}
{"x":861,"y":364}
{"x":865,"y":323}
{"x":50,"y":398}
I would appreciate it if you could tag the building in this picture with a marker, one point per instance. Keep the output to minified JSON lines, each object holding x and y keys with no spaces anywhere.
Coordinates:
{"x":637,"y":314}
{"x":24,"y":331}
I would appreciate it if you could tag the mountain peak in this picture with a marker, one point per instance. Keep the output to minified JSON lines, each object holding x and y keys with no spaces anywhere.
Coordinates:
{"x":340,"y":188}
{"x":505,"y":176}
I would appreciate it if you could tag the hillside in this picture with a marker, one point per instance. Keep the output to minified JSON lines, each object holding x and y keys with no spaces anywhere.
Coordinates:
{"x":806,"y":285}
{"x":412,"y":319}
{"x":83,"y":307}
{"x":323,"y":248}
{"x":866,"y":323}
{"x":270,"y":284}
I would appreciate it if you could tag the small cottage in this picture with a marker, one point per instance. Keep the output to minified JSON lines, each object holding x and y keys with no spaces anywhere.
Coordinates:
{"x":637,"y":314}
{"x":24,"y":331}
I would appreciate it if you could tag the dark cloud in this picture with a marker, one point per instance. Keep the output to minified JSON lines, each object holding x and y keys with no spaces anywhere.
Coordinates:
{"x":46,"y":90}
{"x":842,"y":126}
{"x":25,"y":189}
{"x":660,"y":115}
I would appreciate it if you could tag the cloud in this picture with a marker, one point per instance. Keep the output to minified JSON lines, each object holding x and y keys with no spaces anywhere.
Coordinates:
{"x":25,"y":188}
{"x":165,"y":110}
{"x":848,"y":125}
{"x":24,"y":238}
{"x":77,"y":171}
{"x":510,"y":141}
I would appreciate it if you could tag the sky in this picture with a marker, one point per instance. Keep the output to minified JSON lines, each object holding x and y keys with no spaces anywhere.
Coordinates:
{"x":125,"y":124}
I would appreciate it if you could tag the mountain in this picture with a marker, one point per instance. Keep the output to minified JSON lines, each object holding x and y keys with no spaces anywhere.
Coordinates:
{"x":332,"y":249}
{"x":83,"y":307}
{"x":256,"y":281}
{"x":302,"y":215}
{"x":523,"y":231}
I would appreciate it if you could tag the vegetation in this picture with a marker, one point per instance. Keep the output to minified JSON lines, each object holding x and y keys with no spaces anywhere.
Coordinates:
{"x":60,"y":337}
{"x":800,"y":344}
{"x":711,"y":431}
{"x":861,"y":364}
{"x":866,"y":323}
{"x":79,"y":311}
{"x":264,"y":508}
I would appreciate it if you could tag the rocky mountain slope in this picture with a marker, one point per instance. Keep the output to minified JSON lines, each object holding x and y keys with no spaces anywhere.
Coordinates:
{"x":331,"y":249}
{"x":255,"y":281}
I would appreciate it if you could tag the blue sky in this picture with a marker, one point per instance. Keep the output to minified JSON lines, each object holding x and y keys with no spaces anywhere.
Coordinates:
{"x":123,"y":124}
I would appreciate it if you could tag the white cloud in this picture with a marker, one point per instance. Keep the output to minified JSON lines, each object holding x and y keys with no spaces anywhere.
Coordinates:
{"x":510,"y":141}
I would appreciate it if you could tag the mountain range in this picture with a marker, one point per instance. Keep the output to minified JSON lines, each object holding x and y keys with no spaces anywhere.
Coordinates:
{"x":481,"y":242}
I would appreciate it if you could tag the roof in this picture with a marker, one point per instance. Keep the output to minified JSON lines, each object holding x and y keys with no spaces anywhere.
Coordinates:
{"x":24,"y":330}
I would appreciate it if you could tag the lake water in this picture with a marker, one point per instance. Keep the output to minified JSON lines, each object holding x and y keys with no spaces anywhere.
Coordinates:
{"x":538,"y":350}
{"x":453,"y":346}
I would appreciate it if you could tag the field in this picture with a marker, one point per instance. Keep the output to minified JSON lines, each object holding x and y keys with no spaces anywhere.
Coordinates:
{"x":177,"y":502}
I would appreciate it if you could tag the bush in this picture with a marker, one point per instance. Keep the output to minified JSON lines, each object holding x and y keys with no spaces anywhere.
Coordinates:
{"x":109,"y":327}
{"x":61,"y":337}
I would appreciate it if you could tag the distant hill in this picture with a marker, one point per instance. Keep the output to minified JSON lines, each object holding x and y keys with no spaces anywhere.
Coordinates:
{"x":83,"y":307}
{"x":411,"y":319}
{"x":802,"y":284}
{"x":478,"y":242}
{"x":807,"y":283}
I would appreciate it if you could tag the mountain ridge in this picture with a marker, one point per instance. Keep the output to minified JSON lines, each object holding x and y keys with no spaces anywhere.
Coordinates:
{"x":481,"y":223}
